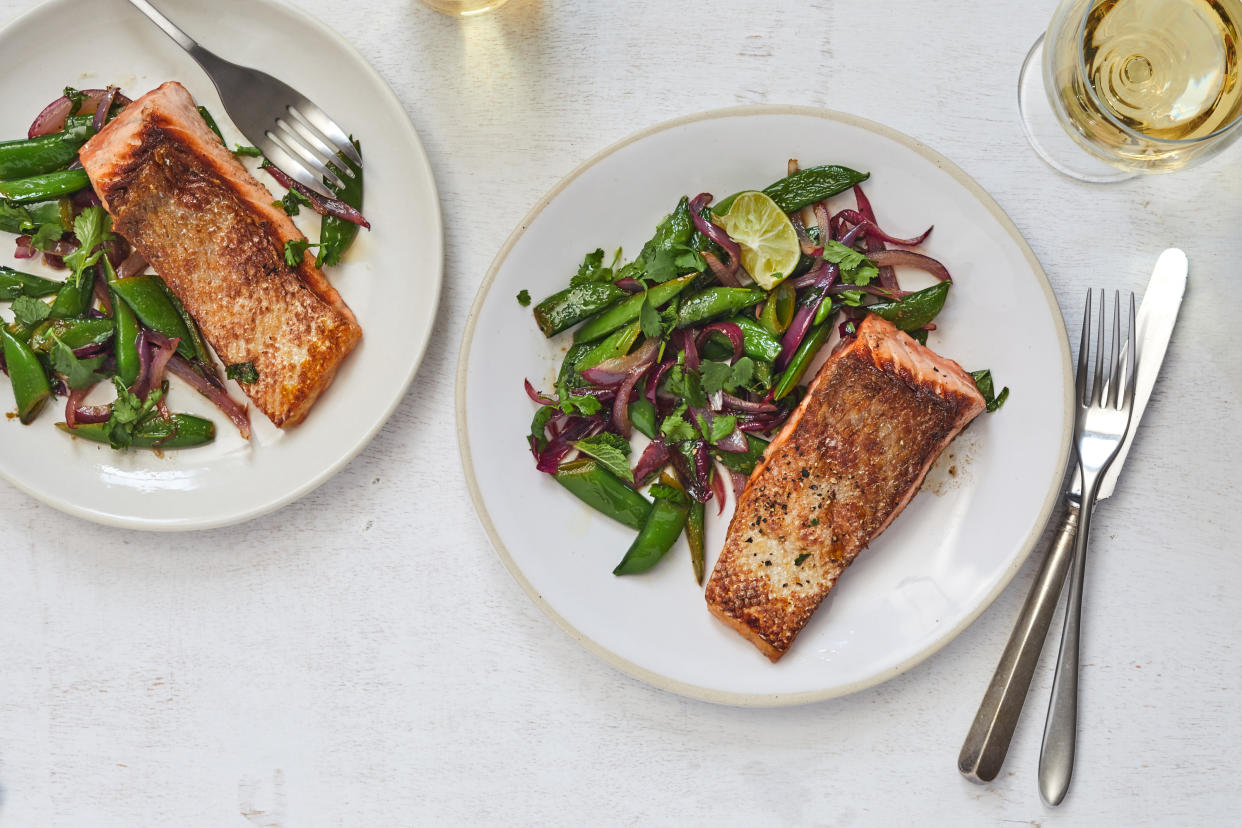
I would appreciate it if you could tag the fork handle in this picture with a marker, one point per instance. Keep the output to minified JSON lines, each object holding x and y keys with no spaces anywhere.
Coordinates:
{"x":986,"y":744}
{"x":169,"y":28}
{"x":1056,"y":755}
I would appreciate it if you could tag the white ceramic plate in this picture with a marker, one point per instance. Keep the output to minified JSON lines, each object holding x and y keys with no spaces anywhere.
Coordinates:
{"x":941,"y":563}
{"x":390,"y":278}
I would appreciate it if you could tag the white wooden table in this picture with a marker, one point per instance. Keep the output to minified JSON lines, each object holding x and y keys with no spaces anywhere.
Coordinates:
{"x":361,"y":657}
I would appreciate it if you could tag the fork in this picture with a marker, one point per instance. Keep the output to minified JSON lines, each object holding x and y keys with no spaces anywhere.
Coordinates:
{"x":1099,"y":429}
{"x":287,"y":127}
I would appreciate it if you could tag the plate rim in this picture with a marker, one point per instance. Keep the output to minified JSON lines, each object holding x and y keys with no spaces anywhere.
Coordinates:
{"x":687,"y":689}
{"x":420,"y":159}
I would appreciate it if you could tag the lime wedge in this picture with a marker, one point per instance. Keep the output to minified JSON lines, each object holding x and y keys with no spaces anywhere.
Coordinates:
{"x":770,"y":249}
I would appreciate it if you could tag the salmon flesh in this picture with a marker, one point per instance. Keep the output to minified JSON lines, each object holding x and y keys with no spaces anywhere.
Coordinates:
{"x":211,"y":231}
{"x":846,"y":463}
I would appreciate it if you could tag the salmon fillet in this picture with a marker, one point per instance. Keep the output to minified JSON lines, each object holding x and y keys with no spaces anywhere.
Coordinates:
{"x":210,"y":229}
{"x":846,"y":463}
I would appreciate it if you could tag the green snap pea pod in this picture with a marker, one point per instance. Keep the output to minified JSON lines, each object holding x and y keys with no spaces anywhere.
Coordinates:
{"x":801,"y":360}
{"x":76,"y":333}
{"x":627,"y":310}
{"x":824,"y":312}
{"x":744,"y":462}
{"x":337,"y":234}
{"x":211,"y":123}
{"x":125,"y":343}
{"x":75,"y":295}
{"x":694,"y":537}
{"x":567,"y":308}
{"x":146,"y":296}
{"x":616,"y":344}
{"x":35,"y":156}
{"x":604,"y":491}
{"x":14,"y":283}
{"x":568,"y":375}
{"x":715,"y":302}
{"x":659,"y":532}
{"x":178,"y":431}
{"x":914,"y":310}
{"x":43,"y":187}
{"x":197,"y":343}
{"x":30,"y":386}
{"x":643,"y":417}
{"x":793,"y":192}
{"x":778,"y":311}
{"x":677,"y":228}
{"x":757,"y":342}
{"x":76,"y":121}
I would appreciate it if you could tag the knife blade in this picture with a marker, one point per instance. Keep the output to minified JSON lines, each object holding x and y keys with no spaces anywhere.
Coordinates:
{"x":987,"y":742}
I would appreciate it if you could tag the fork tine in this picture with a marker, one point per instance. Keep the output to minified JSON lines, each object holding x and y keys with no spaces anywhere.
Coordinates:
{"x":1132,"y":356}
{"x":1097,"y":391}
{"x":311,"y":159}
{"x":328,"y":128}
{"x":280,"y":156}
{"x":1080,"y":377}
{"x":307,"y":132}
{"x":1114,"y":375}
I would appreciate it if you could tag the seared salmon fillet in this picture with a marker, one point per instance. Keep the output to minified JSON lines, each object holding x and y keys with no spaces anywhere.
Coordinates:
{"x":210,"y":229}
{"x":846,"y":463}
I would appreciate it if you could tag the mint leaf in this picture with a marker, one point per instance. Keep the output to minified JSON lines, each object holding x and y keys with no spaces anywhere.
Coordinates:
{"x":30,"y":311}
{"x":78,"y":373}
{"x":576,"y":404}
{"x":856,"y":269}
{"x":611,"y":450}
{"x":523,"y":298}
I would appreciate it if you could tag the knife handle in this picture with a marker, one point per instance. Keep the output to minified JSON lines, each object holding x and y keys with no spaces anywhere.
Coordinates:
{"x":986,"y":744}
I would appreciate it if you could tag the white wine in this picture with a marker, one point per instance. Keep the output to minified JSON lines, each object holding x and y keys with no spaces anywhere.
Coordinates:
{"x":1146,"y":84}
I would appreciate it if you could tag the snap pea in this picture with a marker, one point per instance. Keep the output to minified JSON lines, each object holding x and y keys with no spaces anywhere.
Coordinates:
{"x":75,"y":295}
{"x":211,"y":123}
{"x":744,"y":462}
{"x":824,"y":312}
{"x":566,"y":308}
{"x":659,"y":532}
{"x":197,"y":343}
{"x":801,"y":360}
{"x":604,"y":491}
{"x":43,"y":187}
{"x":76,"y":333}
{"x":568,"y":375}
{"x":793,"y":192}
{"x":715,"y":302}
{"x":125,"y":342}
{"x":694,"y":537}
{"x":35,"y":156}
{"x":30,"y":386}
{"x":627,"y":310}
{"x":914,"y":310}
{"x":756,"y":341}
{"x":778,"y":311}
{"x":337,"y":234}
{"x":616,"y":344}
{"x":178,"y":431}
{"x":147,"y":297}
{"x":643,"y":417}
{"x":14,"y":283}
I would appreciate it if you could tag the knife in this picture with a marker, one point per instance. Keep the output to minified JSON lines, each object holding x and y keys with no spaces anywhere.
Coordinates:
{"x":986,"y":744}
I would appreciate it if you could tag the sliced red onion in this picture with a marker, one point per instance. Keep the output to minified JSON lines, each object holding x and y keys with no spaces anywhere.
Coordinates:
{"x":856,"y":218}
{"x":739,"y":483}
{"x":653,"y":458}
{"x":715,"y":233}
{"x":717,"y":486}
{"x":888,"y":277}
{"x":52,"y":118}
{"x":723,"y":274}
{"x":558,"y":447}
{"x":821,"y":220}
{"x":83,"y":198}
{"x":809,"y":247}
{"x":134,"y":264}
{"x":656,"y":376}
{"x":24,"y":250}
{"x":541,"y":398}
{"x":76,"y":413}
{"x":908,"y":258}
{"x":692,"y":351}
{"x":320,"y":204}
{"x":621,"y":405}
{"x":803,"y":317}
{"x":871,"y":290}
{"x":102,"y":107}
{"x":732,"y":403}
{"x":816,"y":276}
{"x":730,"y":330}
{"x":100,"y":290}
{"x":182,"y":368}
{"x":154,"y":351}
{"x":735,"y":443}
{"x":616,"y":370}
{"x":92,"y":350}
{"x":853,"y":233}
{"x":629,"y":284}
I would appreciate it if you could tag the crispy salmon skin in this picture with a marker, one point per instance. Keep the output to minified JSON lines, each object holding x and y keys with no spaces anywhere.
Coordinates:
{"x":846,"y":462}
{"x":210,"y":229}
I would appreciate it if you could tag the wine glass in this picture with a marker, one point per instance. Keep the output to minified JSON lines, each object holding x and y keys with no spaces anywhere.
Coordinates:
{"x":1143,"y":86}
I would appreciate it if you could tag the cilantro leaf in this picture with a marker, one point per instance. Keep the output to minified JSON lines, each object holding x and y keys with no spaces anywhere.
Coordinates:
{"x":29,"y":311}
{"x":79,"y":373}
{"x":649,"y":318}
{"x":14,"y":218}
{"x":248,"y":151}
{"x":292,"y":202}
{"x":592,"y":269}
{"x":242,"y":372}
{"x":660,"y":491}
{"x":128,"y":411}
{"x":675,"y":427}
{"x":76,"y":98}
{"x":852,"y":298}
{"x":801,"y":559}
{"x":575,"y":403}
{"x":720,"y":427}
{"x":721,"y":376}
{"x":294,"y":248}
{"x":523,"y":298}
{"x":689,"y":259}
{"x":856,"y":269}
{"x":983,"y":381}
{"x":47,"y":235}
{"x":611,"y":450}
{"x":661,"y":266}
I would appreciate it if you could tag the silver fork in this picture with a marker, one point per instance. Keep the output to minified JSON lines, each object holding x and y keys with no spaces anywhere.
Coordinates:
{"x":290,"y":130}
{"x":1099,"y":429}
